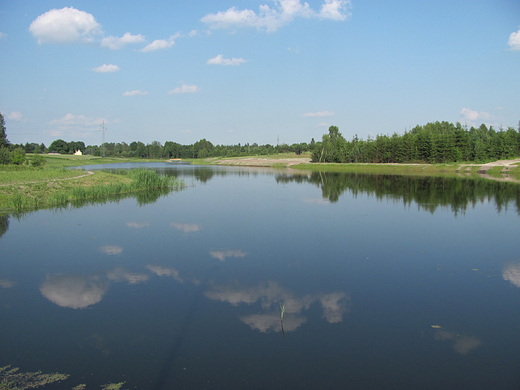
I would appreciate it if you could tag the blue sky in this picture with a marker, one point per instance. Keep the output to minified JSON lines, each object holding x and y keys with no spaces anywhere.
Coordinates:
{"x":244,"y":71}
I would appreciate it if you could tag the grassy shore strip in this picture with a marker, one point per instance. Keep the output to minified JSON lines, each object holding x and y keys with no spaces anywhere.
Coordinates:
{"x":100,"y":185}
{"x":454,"y":169}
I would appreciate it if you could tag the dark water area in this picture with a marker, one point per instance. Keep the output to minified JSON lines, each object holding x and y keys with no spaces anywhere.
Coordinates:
{"x":256,"y":278}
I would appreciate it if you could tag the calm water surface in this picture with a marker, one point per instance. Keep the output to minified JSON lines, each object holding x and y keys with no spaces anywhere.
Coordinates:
{"x":384,"y":283}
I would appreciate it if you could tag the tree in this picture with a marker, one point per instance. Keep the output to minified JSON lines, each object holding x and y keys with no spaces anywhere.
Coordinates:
{"x":3,"y":137}
{"x":59,"y":146}
{"x":18,"y":156}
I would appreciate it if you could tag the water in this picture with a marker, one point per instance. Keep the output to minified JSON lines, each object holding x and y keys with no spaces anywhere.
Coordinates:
{"x":386,"y":283}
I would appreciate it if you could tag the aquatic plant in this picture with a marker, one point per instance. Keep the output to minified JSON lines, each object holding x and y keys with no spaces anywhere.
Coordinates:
{"x":11,"y":379}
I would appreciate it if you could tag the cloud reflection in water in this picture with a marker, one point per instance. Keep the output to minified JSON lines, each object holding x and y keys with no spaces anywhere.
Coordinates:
{"x":334,"y":305}
{"x":76,"y":292}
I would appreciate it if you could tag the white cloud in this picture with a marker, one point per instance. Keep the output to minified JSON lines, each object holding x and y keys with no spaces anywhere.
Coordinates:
{"x":270,"y":19}
{"x":318,"y":114}
{"x":106,"y":68}
{"x":471,"y":115}
{"x":15,"y":116}
{"x":115,"y":43}
{"x":65,"y":25}
{"x":220,"y":60}
{"x":184,"y":89}
{"x":71,"y":120}
{"x":134,"y":93}
{"x":332,"y":9}
{"x":160,"y":44}
{"x":2,"y":35}
{"x":514,"y":40}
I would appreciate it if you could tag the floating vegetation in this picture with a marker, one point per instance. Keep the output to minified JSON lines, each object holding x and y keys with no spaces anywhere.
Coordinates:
{"x":12,"y":379}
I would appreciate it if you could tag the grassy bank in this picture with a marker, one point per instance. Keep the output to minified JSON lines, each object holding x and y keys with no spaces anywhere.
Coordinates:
{"x":58,"y":188}
{"x":455,"y":169}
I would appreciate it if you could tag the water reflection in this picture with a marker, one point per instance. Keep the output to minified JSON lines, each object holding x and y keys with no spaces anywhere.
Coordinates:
{"x":461,"y":344}
{"x":123,"y":275}
{"x":222,"y":255}
{"x":511,"y":273}
{"x":270,"y":295}
{"x":164,"y":271}
{"x":137,"y":225}
{"x":428,"y":193}
{"x":186,"y":227}
{"x":111,"y":249}
{"x":4,"y":224}
{"x":6,"y":283}
{"x":75,"y":292}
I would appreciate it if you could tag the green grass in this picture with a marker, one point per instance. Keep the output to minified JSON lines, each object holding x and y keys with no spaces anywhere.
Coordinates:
{"x":25,"y":195}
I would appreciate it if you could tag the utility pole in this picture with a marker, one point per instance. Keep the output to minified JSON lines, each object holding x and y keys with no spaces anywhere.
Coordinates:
{"x":103,"y":149}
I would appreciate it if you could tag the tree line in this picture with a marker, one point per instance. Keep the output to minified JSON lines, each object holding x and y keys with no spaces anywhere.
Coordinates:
{"x":437,"y":142}
{"x":156,"y":150}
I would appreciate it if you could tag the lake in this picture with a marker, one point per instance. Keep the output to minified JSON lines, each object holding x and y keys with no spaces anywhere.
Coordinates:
{"x":254,"y":278}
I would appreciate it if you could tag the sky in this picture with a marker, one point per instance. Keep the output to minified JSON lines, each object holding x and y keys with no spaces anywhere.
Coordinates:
{"x":246,"y":71}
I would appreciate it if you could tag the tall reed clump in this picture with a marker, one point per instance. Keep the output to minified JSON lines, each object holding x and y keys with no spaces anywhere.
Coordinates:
{"x":143,"y":178}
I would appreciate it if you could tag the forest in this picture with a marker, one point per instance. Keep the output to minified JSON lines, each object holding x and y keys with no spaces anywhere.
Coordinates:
{"x":438,"y":142}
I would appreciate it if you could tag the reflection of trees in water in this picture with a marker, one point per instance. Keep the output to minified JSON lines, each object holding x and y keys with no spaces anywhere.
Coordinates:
{"x":428,"y":192}
{"x":204,"y":174}
{"x":4,"y":224}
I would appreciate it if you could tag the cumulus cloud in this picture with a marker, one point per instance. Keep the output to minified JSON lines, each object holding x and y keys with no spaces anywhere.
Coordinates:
{"x":160,"y":44}
{"x":514,"y":41}
{"x":135,"y":93}
{"x":471,"y":115}
{"x":116,"y":43}
{"x":75,"y":292}
{"x":220,"y":60}
{"x":184,"y":88}
{"x":222,"y":255}
{"x":186,"y":227}
{"x":272,"y":18}
{"x":74,"y":121}
{"x":106,"y":68}
{"x":65,"y":25}
{"x":15,"y":116}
